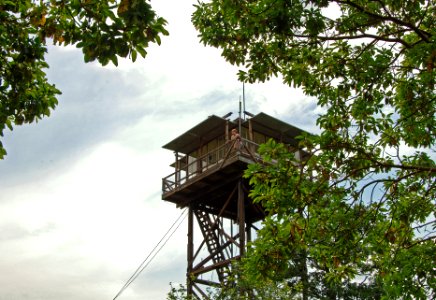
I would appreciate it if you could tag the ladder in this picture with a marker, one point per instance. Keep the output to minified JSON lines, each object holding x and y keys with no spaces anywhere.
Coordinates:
{"x":212,"y":241}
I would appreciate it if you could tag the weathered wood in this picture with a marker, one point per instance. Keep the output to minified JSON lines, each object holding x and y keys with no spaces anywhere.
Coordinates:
{"x":190,"y":250}
{"x":205,"y":297}
{"x":215,"y":266}
{"x":201,"y":264}
{"x":241,"y":218}
{"x":208,"y":282}
{"x":210,"y":192}
{"x":213,"y":187}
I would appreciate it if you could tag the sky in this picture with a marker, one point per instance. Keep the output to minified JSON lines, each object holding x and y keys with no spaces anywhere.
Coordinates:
{"x":80,"y":191}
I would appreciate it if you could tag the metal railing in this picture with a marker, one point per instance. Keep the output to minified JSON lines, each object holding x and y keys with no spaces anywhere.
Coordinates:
{"x":215,"y":159}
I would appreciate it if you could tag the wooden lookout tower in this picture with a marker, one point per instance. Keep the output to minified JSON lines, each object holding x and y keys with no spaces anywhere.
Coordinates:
{"x":208,"y":180}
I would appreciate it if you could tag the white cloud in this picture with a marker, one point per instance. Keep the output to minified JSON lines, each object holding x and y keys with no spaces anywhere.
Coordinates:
{"x":102,"y":214}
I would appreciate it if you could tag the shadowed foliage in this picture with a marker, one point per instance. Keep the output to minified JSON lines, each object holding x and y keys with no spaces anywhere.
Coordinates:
{"x":361,"y":209}
{"x":104,"y":30}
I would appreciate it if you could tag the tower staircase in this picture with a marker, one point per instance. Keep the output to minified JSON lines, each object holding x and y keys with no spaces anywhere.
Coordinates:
{"x":208,"y":229}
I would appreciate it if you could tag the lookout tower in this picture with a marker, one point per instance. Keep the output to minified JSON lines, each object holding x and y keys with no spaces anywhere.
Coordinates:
{"x":207,"y":179}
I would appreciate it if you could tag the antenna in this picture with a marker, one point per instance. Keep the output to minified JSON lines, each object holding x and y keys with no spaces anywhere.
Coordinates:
{"x":243,"y":97}
{"x":239,"y":119}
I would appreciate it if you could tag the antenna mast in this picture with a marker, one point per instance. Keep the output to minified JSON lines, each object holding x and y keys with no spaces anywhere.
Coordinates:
{"x":243,"y":97}
{"x":239,"y":119}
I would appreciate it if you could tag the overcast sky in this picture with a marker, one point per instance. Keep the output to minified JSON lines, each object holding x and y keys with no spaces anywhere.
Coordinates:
{"x":80,"y":191}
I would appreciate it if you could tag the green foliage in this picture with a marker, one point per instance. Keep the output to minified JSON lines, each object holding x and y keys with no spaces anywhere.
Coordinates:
{"x":362,"y":205}
{"x":239,"y":288}
{"x":104,"y":30}
{"x":246,"y":285}
{"x":178,"y":293}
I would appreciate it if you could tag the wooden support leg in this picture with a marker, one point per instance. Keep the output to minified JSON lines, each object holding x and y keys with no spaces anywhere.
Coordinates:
{"x":241,"y":218}
{"x":190,"y":251}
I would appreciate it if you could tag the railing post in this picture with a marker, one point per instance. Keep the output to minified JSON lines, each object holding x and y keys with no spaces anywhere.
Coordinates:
{"x":250,"y":136}
{"x":177,"y":172}
{"x":187,"y":166}
{"x":221,"y":154}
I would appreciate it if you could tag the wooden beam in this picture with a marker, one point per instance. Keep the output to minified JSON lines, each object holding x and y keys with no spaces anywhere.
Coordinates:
{"x":205,"y":297}
{"x":215,"y":266}
{"x":241,"y":218}
{"x":190,"y":250}
{"x":211,"y":255}
{"x":199,"y":249}
{"x":208,"y":282}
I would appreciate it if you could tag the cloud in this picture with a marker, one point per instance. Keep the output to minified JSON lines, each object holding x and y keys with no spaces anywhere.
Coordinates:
{"x":93,"y":108}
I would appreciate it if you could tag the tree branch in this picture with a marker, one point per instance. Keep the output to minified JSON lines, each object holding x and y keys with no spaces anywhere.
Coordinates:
{"x":421,"y":33}
{"x":359,"y":36}
{"x":433,"y":237}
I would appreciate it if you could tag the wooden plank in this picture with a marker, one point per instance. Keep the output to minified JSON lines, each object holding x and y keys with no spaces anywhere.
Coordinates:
{"x":215,"y":266}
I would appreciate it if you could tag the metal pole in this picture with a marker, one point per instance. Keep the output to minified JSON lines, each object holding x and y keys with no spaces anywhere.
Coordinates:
{"x":239,"y":119}
{"x":243,"y":97}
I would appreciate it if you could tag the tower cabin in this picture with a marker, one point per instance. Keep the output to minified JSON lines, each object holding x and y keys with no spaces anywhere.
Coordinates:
{"x":208,"y":180}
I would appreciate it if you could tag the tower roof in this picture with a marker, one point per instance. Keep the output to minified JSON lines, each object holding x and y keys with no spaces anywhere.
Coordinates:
{"x":191,"y":140}
{"x":275,"y":128}
{"x":214,"y":126}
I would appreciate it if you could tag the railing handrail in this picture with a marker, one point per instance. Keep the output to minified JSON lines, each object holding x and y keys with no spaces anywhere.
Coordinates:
{"x":175,"y":179}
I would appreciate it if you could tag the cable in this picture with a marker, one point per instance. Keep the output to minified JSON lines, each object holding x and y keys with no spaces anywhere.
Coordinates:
{"x":145,"y":263}
{"x":151,"y":259}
